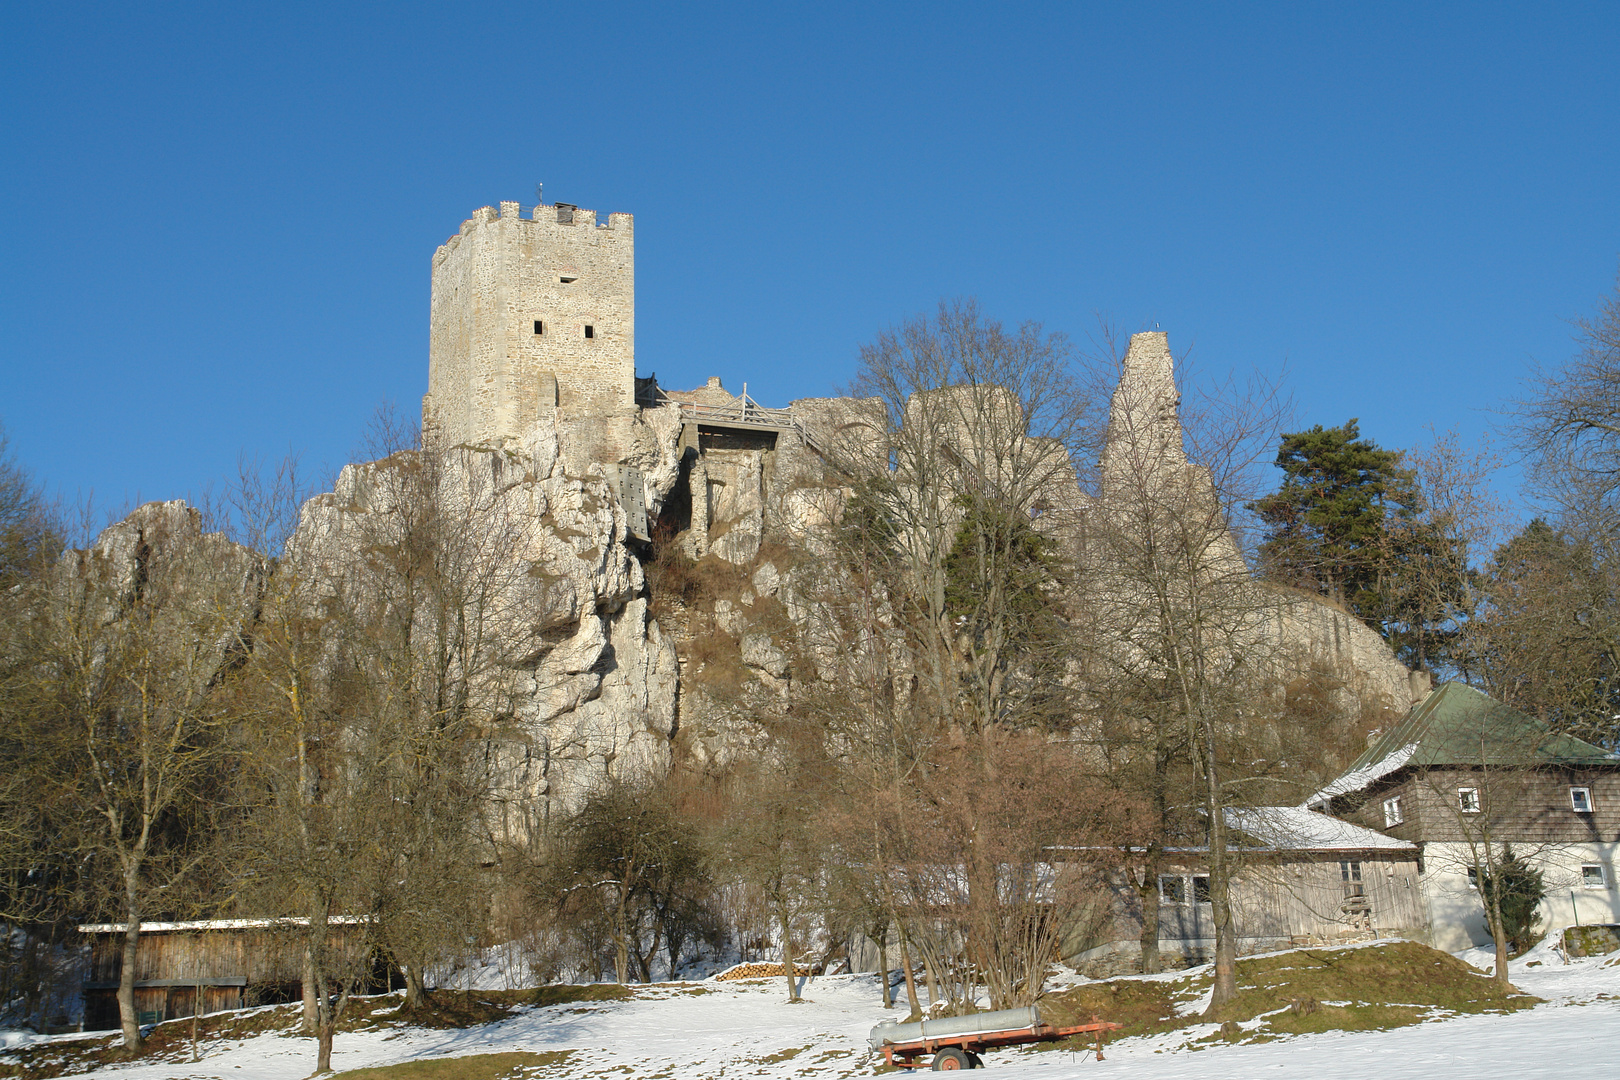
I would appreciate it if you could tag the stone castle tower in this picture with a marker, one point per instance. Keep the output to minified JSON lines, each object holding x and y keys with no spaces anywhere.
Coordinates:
{"x":534,"y":319}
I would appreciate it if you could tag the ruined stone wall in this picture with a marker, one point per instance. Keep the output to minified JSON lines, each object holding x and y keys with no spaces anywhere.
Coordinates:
{"x":533,"y":321}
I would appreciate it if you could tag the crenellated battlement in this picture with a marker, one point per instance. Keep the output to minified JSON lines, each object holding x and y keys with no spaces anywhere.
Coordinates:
{"x":557,"y":216}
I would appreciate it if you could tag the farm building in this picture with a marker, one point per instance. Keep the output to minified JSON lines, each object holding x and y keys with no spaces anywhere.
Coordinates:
{"x":1302,"y":878}
{"x":1464,"y":777}
{"x":219,"y":963}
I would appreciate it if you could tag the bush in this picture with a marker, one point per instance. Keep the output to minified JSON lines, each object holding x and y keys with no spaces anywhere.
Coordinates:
{"x":1520,"y":892}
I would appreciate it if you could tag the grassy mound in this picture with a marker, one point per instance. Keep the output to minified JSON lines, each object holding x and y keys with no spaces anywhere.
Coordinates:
{"x":1292,"y":993}
{"x":512,"y":1066}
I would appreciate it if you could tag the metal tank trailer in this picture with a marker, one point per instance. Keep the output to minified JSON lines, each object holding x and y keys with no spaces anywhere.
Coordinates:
{"x":955,"y":1042}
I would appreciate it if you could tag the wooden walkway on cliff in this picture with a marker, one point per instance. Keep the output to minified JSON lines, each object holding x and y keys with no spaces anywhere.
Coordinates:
{"x":747,"y":414}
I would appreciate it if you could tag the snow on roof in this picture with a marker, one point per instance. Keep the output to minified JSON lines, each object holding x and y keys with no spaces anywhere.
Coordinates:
{"x":217,"y":924}
{"x":1294,"y":828}
{"x":1356,"y":779}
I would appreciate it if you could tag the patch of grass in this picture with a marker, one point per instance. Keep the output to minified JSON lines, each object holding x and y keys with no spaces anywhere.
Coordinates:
{"x":568,"y":994}
{"x":1386,"y":986}
{"x":509,"y":1066}
{"x":1142,"y":1007}
{"x":781,"y":1055}
{"x":1299,"y":992}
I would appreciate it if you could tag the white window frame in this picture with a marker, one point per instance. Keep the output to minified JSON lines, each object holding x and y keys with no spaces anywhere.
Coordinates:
{"x":1468,"y":800}
{"x":1188,"y":886}
{"x":1602,"y":876}
{"x":1579,"y":796}
{"x":1392,"y":812}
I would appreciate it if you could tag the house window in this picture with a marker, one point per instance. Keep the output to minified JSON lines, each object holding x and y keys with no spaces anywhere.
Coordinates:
{"x":1580,"y":798}
{"x":1473,"y":878}
{"x":539,"y":327}
{"x":1184,"y":888}
{"x":1392,"y":812}
{"x":1592,"y":876}
{"x":1468,"y":800}
{"x":1350,"y":875}
{"x":590,"y":331}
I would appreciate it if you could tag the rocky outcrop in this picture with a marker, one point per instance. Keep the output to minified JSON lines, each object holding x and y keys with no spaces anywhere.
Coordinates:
{"x":159,"y":557}
{"x":593,"y":690}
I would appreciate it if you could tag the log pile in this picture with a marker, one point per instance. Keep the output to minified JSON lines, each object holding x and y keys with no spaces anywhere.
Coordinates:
{"x":759,"y":971}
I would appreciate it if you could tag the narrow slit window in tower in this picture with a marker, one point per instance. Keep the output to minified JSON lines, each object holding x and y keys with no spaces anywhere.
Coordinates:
{"x":567,"y":279}
{"x":539,"y":327}
{"x":590,"y":331}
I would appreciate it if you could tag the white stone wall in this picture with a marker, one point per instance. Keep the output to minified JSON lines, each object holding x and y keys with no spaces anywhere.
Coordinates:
{"x":1457,"y":916}
{"x":490,"y":376}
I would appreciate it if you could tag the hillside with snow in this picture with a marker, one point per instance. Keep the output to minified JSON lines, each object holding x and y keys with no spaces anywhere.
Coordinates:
{"x":716,"y":1029}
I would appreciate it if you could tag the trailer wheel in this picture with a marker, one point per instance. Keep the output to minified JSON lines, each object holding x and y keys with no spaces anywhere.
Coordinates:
{"x":975,"y":1061}
{"x":949,"y":1059}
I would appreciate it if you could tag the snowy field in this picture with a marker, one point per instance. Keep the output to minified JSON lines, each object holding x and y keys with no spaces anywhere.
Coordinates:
{"x":715,"y":1029}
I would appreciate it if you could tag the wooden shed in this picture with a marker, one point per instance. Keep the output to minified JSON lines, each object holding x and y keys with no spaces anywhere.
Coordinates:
{"x":1299,"y":878}
{"x":214,"y":964}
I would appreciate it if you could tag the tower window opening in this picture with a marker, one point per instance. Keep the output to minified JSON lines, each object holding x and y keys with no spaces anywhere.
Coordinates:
{"x":567,"y":279}
{"x":590,"y":331}
{"x":539,"y":327}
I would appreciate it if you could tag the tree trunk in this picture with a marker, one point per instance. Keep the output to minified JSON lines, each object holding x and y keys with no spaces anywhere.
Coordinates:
{"x":126,"y":974}
{"x":934,"y":996}
{"x":1148,"y":893}
{"x":310,"y":1011}
{"x":787,"y":953}
{"x":323,"y":1046}
{"x":1225,"y":988}
{"x":415,"y":986}
{"x":1490,"y":891}
{"x":880,"y":935}
{"x":911,"y":976}
{"x":1220,"y":874}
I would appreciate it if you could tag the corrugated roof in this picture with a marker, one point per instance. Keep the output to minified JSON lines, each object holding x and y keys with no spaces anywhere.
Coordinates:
{"x":1294,"y":828}
{"x":1458,"y":725}
{"x":290,"y":922}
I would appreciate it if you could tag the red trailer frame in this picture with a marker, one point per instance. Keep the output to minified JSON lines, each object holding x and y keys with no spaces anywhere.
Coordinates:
{"x":904,"y":1055}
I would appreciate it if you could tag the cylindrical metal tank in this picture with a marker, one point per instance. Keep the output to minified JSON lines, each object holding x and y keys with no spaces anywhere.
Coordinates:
{"x":978,"y":1024}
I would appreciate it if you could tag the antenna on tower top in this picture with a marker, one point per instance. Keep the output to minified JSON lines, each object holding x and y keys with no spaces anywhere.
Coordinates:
{"x":538,"y":201}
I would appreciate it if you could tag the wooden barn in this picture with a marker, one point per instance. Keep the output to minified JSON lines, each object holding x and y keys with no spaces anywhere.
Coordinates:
{"x":1301,"y":878}
{"x":214,"y":964}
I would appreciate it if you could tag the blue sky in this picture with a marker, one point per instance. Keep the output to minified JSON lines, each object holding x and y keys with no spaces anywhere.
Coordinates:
{"x":218,"y":219}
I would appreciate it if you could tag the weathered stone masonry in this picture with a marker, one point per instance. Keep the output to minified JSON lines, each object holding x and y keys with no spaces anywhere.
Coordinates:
{"x":533,"y":321}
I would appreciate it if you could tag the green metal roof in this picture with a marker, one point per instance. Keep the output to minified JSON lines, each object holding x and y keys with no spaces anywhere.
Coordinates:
{"x":1458,"y":725}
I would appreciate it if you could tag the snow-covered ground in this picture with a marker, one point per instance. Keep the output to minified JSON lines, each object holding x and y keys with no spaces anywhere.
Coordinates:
{"x":715,"y":1029}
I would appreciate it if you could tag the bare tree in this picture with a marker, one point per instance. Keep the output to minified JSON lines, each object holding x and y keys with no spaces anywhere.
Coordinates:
{"x":770,"y":845}
{"x":1569,"y":425}
{"x":632,"y":862}
{"x":383,"y":674}
{"x":1176,"y":623}
{"x":128,"y":645}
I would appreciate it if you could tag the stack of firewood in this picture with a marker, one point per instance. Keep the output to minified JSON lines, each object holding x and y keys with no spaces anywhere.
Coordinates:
{"x":759,"y":971}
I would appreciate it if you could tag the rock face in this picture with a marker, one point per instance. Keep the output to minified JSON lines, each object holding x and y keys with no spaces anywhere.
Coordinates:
{"x":595,"y":685}
{"x":159,"y":555}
